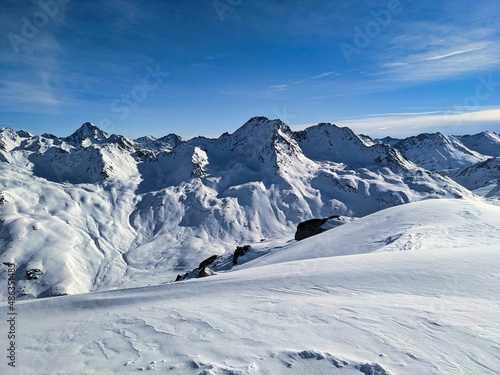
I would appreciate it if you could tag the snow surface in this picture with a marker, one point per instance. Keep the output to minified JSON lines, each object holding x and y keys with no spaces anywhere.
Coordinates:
{"x":348,"y":301}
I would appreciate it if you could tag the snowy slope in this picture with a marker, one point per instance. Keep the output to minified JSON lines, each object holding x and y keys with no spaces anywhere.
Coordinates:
{"x":164,"y":144}
{"x":327,"y":142}
{"x":94,"y":211}
{"x":409,"y":227}
{"x":388,"y":141}
{"x":483,"y":178}
{"x":9,"y":139}
{"x":374,"y":310}
{"x":438,"y":152}
{"x":486,"y":143}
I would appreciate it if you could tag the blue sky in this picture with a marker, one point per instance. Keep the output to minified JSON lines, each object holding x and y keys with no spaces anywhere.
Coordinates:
{"x":394,"y":67}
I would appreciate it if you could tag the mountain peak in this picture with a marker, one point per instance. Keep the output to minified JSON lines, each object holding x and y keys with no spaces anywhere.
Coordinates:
{"x":486,"y":143}
{"x":87,"y":131}
{"x":261,"y":125}
{"x":438,"y":152}
{"x":257,"y":120}
{"x":24,"y":134}
{"x":173,"y":140}
{"x":263,"y":121}
{"x":89,"y":127}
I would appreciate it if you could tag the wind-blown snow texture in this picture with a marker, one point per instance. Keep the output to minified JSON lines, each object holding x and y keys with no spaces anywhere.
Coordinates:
{"x":94,"y":211}
{"x":348,"y":301}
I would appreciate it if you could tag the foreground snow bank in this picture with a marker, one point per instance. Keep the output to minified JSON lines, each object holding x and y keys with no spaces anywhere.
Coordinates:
{"x":427,"y":225}
{"x":427,"y":311}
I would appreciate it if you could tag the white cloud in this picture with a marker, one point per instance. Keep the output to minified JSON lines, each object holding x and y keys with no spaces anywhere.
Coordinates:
{"x":405,"y":124}
{"x":438,"y":52}
{"x":454,"y":53}
{"x":413,"y":123}
{"x":26,"y":93}
{"x":283,"y":87}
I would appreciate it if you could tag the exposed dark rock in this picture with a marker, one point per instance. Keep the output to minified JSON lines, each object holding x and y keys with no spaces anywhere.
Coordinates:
{"x":198,"y":171}
{"x":311,"y":227}
{"x":372,"y":369}
{"x":207,"y":262}
{"x":240,"y":250}
{"x":33,"y":274}
{"x":204,"y":272}
{"x":57,"y":294}
{"x":144,"y":155}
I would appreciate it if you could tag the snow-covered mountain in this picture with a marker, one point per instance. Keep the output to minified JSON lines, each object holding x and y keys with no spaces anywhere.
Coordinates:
{"x":412,"y":289}
{"x":94,"y":211}
{"x":165,"y":144}
{"x":438,"y":152}
{"x":481,"y":175}
{"x":486,"y":143}
{"x":86,"y":135}
{"x":466,"y":159}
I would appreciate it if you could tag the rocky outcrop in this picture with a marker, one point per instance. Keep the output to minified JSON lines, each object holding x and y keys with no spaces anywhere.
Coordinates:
{"x":3,"y":199}
{"x":207,"y":262}
{"x":240,"y":251}
{"x":313,"y":227}
{"x":216,"y":263}
{"x":310,"y":228}
{"x":203,"y":270}
{"x":33,"y":274}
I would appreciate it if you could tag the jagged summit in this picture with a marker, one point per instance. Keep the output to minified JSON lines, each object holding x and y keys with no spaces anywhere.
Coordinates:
{"x":262,"y":130}
{"x":8,"y":132}
{"x":153,"y":145}
{"x":87,"y":132}
{"x":438,"y":152}
{"x":24,"y":134}
{"x":327,"y":141}
{"x":9,"y":139}
{"x":262,"y":124}
{"x":388,"y":140}
{"x":173,"y":140}
{"x":486,"y":143}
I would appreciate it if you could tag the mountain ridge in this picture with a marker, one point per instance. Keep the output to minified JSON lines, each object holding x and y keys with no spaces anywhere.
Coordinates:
{"x":159,"y":206}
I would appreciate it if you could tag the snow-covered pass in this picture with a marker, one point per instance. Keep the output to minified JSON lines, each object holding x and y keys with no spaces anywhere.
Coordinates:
{"x":11,"y":314}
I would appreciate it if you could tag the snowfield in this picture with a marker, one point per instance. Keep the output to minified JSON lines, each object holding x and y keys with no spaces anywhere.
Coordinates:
{"x":413,"y":289}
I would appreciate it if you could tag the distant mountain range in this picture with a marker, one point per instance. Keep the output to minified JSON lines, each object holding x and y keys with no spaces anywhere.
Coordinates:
{"x":95,"y":211}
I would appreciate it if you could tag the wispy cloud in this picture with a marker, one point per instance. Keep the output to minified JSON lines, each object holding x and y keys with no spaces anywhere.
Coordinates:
{"x":326,"y":74}
{"x":405,"y":124}
{"x":439,"y":52}
{"x":454,"y":53}
{"x":283,"y":87}
{"x":22,"y":94}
